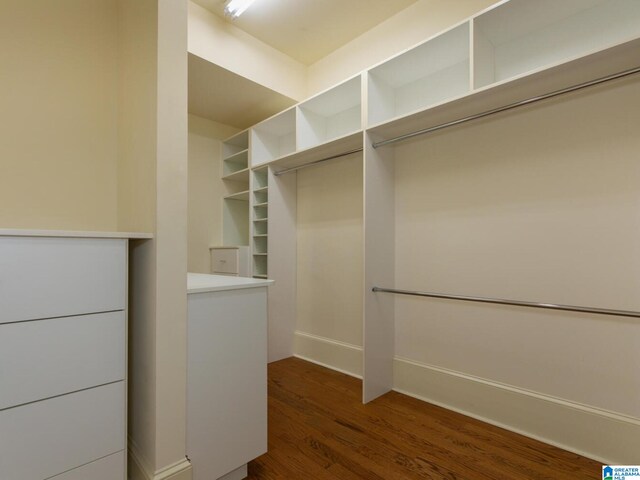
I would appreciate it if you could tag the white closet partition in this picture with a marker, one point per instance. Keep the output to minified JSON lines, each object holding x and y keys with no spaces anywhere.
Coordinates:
{"x":379,"y":269}
{"x":282,"y":247}
{"x":521,"y":36}
{"x":431,"y":73}
{"x":330,"y":115}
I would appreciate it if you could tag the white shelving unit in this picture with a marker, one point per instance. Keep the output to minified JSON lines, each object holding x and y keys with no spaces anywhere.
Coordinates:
{"x":260,"y":222}
{"x":273,"y":138}
{"x":435,"y":71}
{"x":330,"y":115}
{"x":515,"y":50}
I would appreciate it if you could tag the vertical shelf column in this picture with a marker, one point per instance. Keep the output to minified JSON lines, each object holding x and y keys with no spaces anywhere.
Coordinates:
{"x":259,"y":222}
{"x":379,"y":269}
{"x":282,"y":248}
{"x":235,"y":174}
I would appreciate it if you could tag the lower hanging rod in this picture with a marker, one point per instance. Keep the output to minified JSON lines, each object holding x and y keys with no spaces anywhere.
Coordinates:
{"x":315,"y":162}
{"x":510,"y":106}
{"x":500,"y":301}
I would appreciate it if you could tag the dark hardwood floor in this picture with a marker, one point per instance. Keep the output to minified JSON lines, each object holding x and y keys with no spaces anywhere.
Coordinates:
{"x":319,"y":429}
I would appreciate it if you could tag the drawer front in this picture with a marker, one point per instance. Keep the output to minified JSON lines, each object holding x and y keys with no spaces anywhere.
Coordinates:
{"x":224,"y":260}
{"x":45,"y":358}
{"x":44,"y":277}
{"x":108,"y":468}
{"x":47,"y":438}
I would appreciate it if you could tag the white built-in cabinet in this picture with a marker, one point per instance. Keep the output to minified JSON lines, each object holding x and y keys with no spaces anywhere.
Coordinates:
{"x":226,"y":374}
{"x":511,"y":52}
{"x":63,"y":331}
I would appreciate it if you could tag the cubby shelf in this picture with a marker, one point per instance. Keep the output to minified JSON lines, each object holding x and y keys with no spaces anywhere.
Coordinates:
{"x":235,"y":144}
{"x":330,"y":115}
{"x":240,"y":157}
{"x":433,"y":72}
{"x":273,"y":138}
{"x":239,"y":176}
{"x":521,"y":36}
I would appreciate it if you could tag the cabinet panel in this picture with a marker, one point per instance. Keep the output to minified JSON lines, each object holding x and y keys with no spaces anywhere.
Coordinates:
{"x":53,"y":436}
{"x":227,"y":367}
{"x":53,"y":277}
{"x":45,"y":358}
{"x":108,"y":468}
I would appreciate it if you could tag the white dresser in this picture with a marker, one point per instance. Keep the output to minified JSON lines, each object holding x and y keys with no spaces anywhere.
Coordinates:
{"x":63,"y":324}
{"x":226,"y":374}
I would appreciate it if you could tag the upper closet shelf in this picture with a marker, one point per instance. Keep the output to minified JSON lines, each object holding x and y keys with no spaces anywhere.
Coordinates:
{"x":521,"y":49}
{"x":528,"y":85}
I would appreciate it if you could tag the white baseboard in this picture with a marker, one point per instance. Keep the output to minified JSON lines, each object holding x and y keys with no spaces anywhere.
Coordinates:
{"x":339,"y":356}
{"x":139,"y":470}
{"x":604,"y":436}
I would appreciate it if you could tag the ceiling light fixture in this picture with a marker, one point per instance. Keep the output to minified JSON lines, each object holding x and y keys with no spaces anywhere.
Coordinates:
{"x":235,"y":8}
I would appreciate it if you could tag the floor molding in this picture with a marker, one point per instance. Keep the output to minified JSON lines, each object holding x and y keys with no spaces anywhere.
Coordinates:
{"x":139,"y":470}
{"x":340,"y":356}
{"x":604,"y":436}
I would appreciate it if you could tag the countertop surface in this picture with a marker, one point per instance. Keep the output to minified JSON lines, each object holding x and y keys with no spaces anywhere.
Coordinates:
{"x":6,"y":232}
{"x":200,"y":282}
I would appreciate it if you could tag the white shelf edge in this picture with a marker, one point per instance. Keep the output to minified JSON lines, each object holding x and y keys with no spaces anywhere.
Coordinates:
{"x":238,"y":196}
{"x":516,"y":81}
{"x":231,"y":158}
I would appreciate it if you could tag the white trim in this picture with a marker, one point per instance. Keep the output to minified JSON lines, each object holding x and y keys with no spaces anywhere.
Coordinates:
{"x":139,"y":467}
{"x":602,"y":435}
{"x":339,"y":356}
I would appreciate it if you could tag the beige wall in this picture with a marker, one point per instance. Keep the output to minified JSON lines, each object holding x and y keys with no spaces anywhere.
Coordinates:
{"x":329,"y":222}
{"x":137,"y":108}
{"x":205,"y":190}
{"x":224,"y":44}
{"x":407,"y":28}
{"x":539,"y":205}
{"x":58,"y":111}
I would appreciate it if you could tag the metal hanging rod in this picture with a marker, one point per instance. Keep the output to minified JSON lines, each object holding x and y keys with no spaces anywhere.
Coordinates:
{"x":510,"y":106}
{"x":499,"y":301}
{"x":315,"y":162}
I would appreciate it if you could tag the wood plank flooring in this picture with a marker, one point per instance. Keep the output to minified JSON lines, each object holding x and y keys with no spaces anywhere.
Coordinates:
{"x":319,"y":429}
